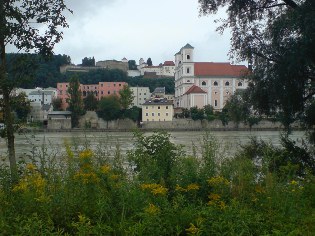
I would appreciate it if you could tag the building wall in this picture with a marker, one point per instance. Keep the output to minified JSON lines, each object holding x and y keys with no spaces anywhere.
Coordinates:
{"x":102,"y":89}
{"x":141,"y":94}
{"x":157,"y":112}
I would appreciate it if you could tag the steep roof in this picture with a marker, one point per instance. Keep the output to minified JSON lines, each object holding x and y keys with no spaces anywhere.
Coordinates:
{"x":158,"y":101}
{"x":194,"y":89}
{"x":219,"y":69}
{"x":169,"y":63}
{"x":188,"y":46}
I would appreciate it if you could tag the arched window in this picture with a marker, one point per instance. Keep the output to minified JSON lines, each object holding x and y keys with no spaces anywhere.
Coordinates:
{"x":215,"y":83}
{"x":187,"y":70}
{"x":188,"y":57}
{"x":203,"y":83}
{"x":240,"y":84}
{"x":227,"y":83}
{"x":215,"y":103}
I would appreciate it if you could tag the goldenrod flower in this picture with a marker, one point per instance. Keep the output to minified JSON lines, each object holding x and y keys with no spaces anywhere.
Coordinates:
{"x":152,"y":209}
{"x":193,"y":187}
{"x":105,"y":169}
{"x":218,"y":180}
{"x":192,"y":230}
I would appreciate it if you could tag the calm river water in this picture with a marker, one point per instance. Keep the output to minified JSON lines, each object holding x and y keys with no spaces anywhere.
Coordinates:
{"x":229,"y":141}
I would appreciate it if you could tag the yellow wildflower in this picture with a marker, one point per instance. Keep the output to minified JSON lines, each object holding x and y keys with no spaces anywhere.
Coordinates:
{"x":114,"y":177}
{"x":293,"y":182}
{"x":31,"y":167}
{"x":192,"y":230}
{"x":21,"y":186}
{"x":152,"y":209}
{"x":160,"y":190}
{"x":214,"y":196}
{"x":218,"y":180}
{"x":180,"y":189}
{"x":105,"y":169}
{"x":193,"y":187}
{"x":86,"y":178}
{"x":86,"y":154}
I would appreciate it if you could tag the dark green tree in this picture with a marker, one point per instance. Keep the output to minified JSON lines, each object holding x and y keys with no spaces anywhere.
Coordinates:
{"x":20,"y":23}
{"x":21,"y":106}
{"x":75,"y":101}
{"x":57,"y":104}
{"x":109,"y":108}
{"x":209,"y":114}
{"x":277,"y":39}
{"x":88,"y":61}
{"x":90,"y":102}
{"x":125,"y":97}
{"x":149,"y":61}
{"x":132,"y":65}
{"x":196,"y":113}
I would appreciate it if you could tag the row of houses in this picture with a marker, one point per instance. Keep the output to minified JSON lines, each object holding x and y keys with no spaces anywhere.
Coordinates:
{"x":166,"y":69}
{"x":196,"y":84}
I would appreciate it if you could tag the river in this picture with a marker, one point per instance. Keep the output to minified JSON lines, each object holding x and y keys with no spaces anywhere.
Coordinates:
{"x":229,"y":142}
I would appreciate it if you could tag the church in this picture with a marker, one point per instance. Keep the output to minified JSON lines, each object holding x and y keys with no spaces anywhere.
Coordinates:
{"x":205,"y":83}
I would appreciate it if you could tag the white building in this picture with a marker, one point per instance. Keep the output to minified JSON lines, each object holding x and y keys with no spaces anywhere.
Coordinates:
{"x":202,"y":83}
{"x":167,"y":69}
{"x":141,"y":94}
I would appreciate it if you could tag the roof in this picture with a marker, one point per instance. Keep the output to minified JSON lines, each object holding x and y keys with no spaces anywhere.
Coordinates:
{"x":169,"y":63}
{"x":159,"y":90}
{"x":158,"y":101}
{"x":219,"y":69}
{"x":59,"y":113}
{"x":194,"y":89}
{"x":41,"y":92}
{"x":188,"y":46}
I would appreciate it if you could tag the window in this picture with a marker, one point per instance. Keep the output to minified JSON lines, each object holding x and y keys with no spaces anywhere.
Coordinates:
{"x":159,"y":107}
{"x":203,"y":83}
{"x":87,"y":87}
{"x":215,"y":83}
{"x":146,"y":114}
{"x":144,"y":94}
{"x":158,"y":114}
{"x":139,"y":93}
{"x":66,"y":86}
{"x":152,"y":113}
{"x":166,"y":107}
{"x":215,"y":103}
{"x":60,"y":93}
{"x":146,"y":107}
{"x":102,"y":92}
{"x":119,"y":85}
{"x":188,"y":57}
{"x":240,"y":84}
{"x":215,"y":92}
{"x":227,"y":92}
{"x":114,"y":85}
{"x":108,"y":92}
{"x":227,"y":83}
{"x":101,"y":85}
{"x":166,"y":114}
{"x":187,"y":70}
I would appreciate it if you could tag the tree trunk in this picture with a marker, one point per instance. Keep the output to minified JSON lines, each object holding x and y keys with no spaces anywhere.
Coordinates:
{"x":4,"y":85}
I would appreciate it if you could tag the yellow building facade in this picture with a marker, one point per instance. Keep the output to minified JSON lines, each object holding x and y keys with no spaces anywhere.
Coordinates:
{"x":157,"y":110}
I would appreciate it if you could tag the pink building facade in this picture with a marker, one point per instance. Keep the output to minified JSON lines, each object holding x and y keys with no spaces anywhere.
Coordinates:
{"x":102,"y":89}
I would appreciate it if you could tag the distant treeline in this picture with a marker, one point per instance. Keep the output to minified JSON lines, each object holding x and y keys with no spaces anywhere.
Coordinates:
{"x":32,"y":70}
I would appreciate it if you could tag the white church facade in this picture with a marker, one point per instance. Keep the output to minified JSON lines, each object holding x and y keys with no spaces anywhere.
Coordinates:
{"x":205,"y":83}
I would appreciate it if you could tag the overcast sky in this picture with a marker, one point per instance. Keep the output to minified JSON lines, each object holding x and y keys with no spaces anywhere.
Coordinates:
{"x":113,"y":29}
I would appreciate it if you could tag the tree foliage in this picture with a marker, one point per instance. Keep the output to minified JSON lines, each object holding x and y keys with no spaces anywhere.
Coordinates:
{"x":27,"y":25}
{"x":109,"y":108}
{"x":149,"y":61}
{"x":132,"y":65}
{"x":57,"y":104}
{"x":90,"y":102}
{"x":126,"y":97}
{"x":75,"y":101}
{"x":88,"y":61}
{"x":277,"y":38}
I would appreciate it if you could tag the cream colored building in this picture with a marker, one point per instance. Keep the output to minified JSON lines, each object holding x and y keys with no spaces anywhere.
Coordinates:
{"x":157,"y":109}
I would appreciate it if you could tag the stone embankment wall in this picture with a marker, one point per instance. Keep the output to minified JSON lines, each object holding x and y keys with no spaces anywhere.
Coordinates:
{"x":92,"y":121}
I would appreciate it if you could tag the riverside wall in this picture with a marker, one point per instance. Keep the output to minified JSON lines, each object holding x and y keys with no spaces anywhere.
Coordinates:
{"x":91,"y":121}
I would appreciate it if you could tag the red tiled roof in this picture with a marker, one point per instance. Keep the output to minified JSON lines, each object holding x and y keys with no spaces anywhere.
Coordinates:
{"x":219,"y":69}
{"x":169,"y":63}
{"x":194,"y":89}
